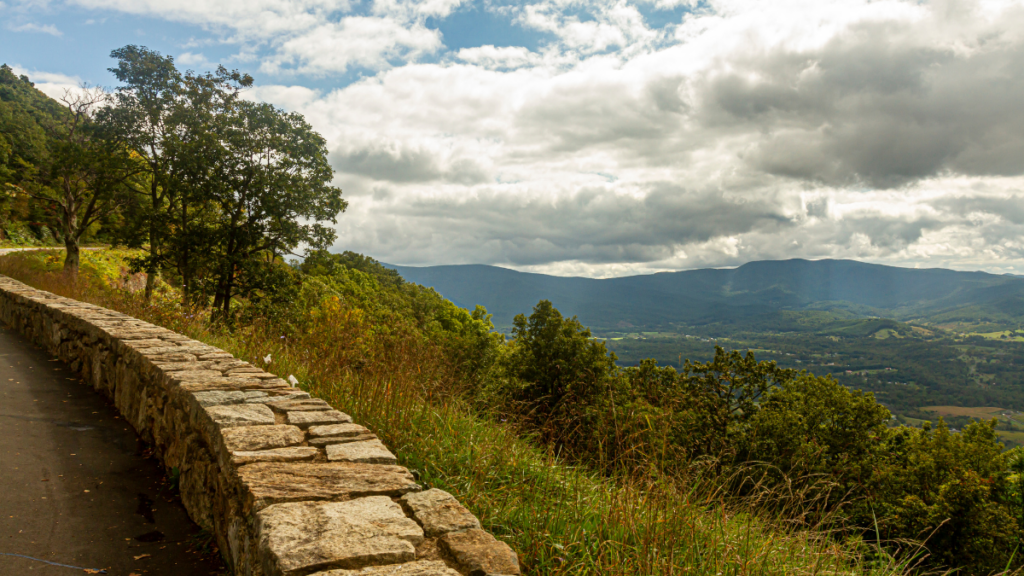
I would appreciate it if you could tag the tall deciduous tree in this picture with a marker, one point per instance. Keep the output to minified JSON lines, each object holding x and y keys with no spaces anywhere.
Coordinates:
{"x":83,"y":177}
{"x":198,"y":147}
{"x":272,"y":189}
{"x":170,"y":118}
{"x":139,"y":118}
{"x":233,"y":185}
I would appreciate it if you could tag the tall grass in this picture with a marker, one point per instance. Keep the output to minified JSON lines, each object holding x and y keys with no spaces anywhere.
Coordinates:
{"x":561,"y":519}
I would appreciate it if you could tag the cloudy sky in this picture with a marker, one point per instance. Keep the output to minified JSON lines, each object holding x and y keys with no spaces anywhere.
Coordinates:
{"x":607,"y":138}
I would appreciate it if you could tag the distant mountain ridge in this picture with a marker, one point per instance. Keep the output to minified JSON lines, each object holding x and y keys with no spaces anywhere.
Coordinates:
{"x":694,"y":297}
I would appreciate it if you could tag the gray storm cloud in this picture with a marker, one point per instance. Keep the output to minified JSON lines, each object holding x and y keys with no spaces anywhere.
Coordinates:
{"x":876,"y":106}
{"x":757,"y":136}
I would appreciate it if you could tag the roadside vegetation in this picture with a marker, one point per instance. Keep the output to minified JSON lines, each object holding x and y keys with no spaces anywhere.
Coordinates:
{"x":394,"y":356}
{"x":728,"y":466}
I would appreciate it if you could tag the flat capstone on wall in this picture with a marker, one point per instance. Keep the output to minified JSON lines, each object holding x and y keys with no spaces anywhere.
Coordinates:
{"x":289,"y":486}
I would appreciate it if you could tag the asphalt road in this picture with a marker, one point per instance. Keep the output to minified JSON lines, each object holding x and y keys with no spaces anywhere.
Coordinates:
{"x":77,"y":486}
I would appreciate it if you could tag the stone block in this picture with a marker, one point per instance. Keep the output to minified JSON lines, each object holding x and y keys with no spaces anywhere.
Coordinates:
{"x":311,"y":404}
{"x":338,"y":430}
{"x":196,"y":349}
{"x":241,"y":415}
{"x":277,"y":396}
{"x":293,"y":454}
{"x":328,"y":440}
{"x":182,"y":376}
{"x":271,"y":482}
{"x":477,"y":553}
{"x":438,"y":512}
{"x":316,"y":418}
{"x":253,"y":438}
{"x":298,"y":538}
{"x":222,"y":397}
{"x":419,"y":568}
{"x":218,"y":384}
{"x":260,"y":383}
{"x":367,"y":452}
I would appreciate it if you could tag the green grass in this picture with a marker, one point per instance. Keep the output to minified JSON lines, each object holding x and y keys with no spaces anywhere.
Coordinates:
{"x":561,"y":519}
{"x":1002,"y":335}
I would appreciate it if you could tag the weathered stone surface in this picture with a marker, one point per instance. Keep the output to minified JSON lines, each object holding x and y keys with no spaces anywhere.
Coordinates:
{"x":316,"y":418}
{"x":241,"y":415}
{"x":221,"y":397}
{"x":185,"y":348}
{"x":219,"y":354}
{"x":252,"y":438}
{"x":260,"y":383}
{"x":260,"y":374}
{"x":368,"y":452}
{"x":311,"y":404}
{"x":327,"y":441}
{"x":279,"y":396}
{"x":174,"y":357}
{"x":477,"y":553}
{"x":138,"y":344}
{"x":338,"y":430}
{"x":419,"y":568}
{"x":293,"y":454}
{"x":438,"y":512}
{"x":229,"y":365}
{"x":302,"y":537}
{"x":271,"y":483}
{"x":244,"y":367}
{"x":219,"y":384}
{"x":179,"y":366}
{"x":179,"y":377}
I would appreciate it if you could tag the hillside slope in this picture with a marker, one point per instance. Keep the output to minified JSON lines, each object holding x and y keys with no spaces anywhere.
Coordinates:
{"x":699,"y":296}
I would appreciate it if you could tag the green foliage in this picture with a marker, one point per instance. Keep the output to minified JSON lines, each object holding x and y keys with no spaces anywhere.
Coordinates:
{"x":232,"y":187}
{"x":25,"y":116}
{"x":723,"y":395}
{"x":323,"y":263}
{"x":952,"y":489}
{"x":810,"y":425}
{"x":390,"y":305}
{"x":555,"y":365}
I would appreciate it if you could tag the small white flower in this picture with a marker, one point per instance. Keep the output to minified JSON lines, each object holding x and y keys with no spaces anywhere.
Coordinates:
{"x":293,"y":380}
{"x":266,"y":359}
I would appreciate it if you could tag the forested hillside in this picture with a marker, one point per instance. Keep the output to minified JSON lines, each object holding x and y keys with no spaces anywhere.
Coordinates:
{"x":27,"y":121}
{"x":747,"y":295}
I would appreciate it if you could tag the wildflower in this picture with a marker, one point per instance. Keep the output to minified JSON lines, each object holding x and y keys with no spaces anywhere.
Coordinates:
{"x":293,"y":380}
{"x":266,"y":359}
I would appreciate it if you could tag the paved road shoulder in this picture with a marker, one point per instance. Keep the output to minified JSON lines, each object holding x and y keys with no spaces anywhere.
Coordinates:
{"x":76,"y":485}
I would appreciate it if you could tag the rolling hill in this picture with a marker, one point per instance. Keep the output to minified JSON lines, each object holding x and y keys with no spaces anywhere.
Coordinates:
{"x":745,"y":294}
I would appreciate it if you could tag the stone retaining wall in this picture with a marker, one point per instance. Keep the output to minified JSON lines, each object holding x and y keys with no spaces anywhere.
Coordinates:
{"x":289,"y":486}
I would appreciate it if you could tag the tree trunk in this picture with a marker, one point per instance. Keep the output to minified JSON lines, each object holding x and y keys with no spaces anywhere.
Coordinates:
{"x":71,"y":259}
{"x":153,"y":246}
{"x":150,"y":282}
